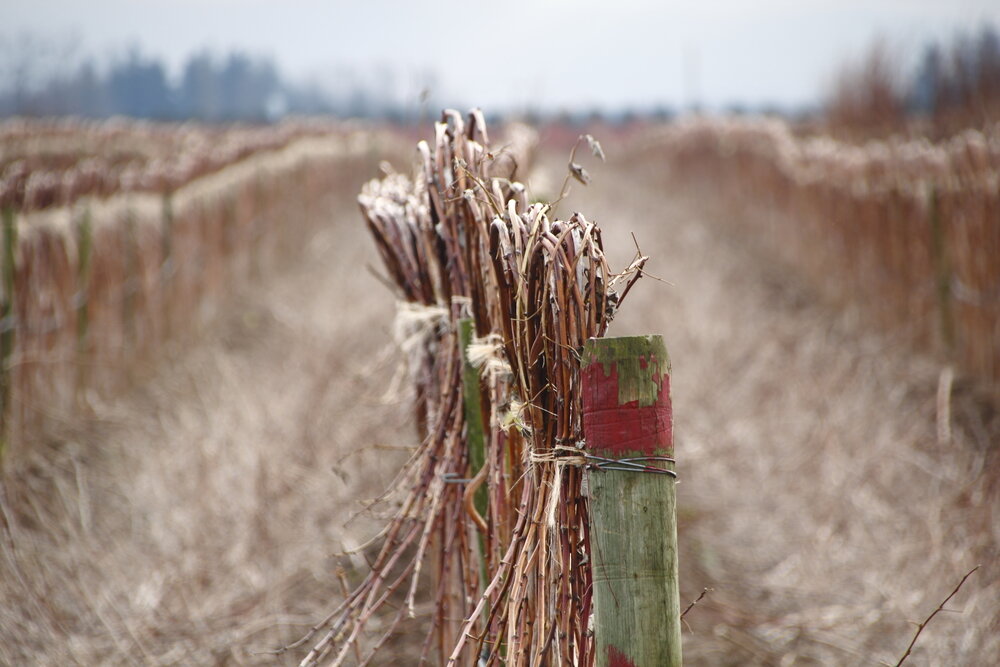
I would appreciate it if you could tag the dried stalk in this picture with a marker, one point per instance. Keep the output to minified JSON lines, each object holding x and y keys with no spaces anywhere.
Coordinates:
{"x":458,"y":242}
{"x":940,"y":608}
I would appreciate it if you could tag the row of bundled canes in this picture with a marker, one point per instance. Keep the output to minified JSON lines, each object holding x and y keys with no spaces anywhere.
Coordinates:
{"x":906,"y":228}
{"x":492,"y":499}
{"x":106,"y":257}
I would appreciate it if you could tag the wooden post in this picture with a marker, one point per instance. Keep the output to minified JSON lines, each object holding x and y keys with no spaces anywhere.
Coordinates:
{"x":257,"y":227}
{"x":942,"y":270}
{"x":130,"y":292}
{"x":474,"y":429}
{"x":168,"y":266}
{"x":7,"y":320}
{"x":633,"y":534}
{"x":84,"y":245}
{"x":473,"y":411}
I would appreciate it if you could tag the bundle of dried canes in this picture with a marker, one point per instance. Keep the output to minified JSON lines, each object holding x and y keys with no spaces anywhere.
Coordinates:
{"x":494,"y":495}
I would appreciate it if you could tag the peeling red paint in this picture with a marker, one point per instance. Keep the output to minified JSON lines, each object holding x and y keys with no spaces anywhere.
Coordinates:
{"x":614,"y":430}
{"x":617,"y":658}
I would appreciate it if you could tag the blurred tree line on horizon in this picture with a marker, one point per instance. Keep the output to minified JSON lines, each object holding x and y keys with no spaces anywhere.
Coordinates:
{"x":36,"y":81}
{"x":952,"y":86}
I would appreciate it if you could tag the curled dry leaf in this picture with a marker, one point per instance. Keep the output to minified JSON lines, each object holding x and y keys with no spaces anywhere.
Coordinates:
{"x":595,"y":146}
{"x":579,"y":173}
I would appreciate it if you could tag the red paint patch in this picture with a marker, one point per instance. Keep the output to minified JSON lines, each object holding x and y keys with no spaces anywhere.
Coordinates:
{"x":618,"y":659}
{"x":614,"y":430}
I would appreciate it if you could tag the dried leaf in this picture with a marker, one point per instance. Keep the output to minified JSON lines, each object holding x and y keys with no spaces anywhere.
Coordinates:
{"x":595,"y":147}
{"x":579,"y":173}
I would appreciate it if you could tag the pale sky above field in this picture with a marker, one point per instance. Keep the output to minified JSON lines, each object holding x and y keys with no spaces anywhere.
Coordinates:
{"x":506,"y":55}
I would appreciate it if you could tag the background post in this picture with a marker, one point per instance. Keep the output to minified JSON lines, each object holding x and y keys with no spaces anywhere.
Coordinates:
{"x":474,"y":429}
{"x":942,"y":270}
{"x":7,"y":319}
{"x":627,"y":414}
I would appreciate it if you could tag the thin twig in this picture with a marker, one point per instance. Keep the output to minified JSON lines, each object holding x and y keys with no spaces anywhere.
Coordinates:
{"x":940,"y":607}
{"x":704,"y":592}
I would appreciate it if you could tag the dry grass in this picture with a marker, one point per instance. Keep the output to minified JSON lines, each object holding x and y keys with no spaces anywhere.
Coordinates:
{"x":816,"y":497}
{"x":195,"y":519}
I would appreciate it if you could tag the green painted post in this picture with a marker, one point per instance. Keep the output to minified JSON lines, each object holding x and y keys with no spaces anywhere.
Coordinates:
{"x":257,"y":227}
{"x":474,"y":429}
{"x":942,"y":269}
{"x":85,"y":244}
{"x":628,"y":422}
{"x":7,"y":315}
{"x":168,"y":286}
{"x":473,"y":412}
{"x":130,"y":293}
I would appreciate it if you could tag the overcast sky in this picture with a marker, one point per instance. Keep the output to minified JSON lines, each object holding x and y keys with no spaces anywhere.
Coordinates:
{"x":506,"y":55}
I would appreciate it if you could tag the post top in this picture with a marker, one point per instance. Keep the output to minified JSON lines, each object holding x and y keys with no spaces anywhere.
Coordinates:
{"x":626,"y":397}
{"x":607,"y":350}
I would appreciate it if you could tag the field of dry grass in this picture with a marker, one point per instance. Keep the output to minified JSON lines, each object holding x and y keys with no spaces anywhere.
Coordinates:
{"x":819,"y":501}
{"x":197,"y":519}
{"x":827,"y":496}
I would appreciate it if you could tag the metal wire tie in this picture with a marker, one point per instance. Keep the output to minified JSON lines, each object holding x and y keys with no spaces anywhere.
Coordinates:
{"x":453,"y":478}
{"x":630,"y":464}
